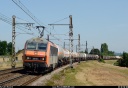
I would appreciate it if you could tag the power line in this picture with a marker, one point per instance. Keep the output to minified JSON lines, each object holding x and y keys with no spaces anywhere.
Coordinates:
{"x":19,"y":4}
{"x":22,"y":19}
{"x":58,"y":24}
{"x":61,"y":20}
{"x":58,"y":21}
{"x":9,"y":21}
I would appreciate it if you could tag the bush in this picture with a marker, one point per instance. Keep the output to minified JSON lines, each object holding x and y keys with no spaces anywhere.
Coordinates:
{"x":124,"y":61}
{"x":101,"y":60}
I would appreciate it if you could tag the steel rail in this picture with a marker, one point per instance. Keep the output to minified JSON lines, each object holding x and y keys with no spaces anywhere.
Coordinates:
{"x":13,"y":79}
{"x":6,"y":71}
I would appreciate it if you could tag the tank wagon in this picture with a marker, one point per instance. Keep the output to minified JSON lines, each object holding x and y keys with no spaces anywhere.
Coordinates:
{"x":92,"y":57}
{"x":66,"y":56}
{"x":75,"y":56}
{"x":82,"y":56}
{"x":62,"y":59}
{"x":110,"y":57}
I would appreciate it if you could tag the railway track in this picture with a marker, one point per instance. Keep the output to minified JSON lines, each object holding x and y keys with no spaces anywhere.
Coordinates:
{"x":21,"y":79}
{"x":11,"y":80}
{"x":6,"y":71}
{"x":17,"y":77}
{"x":30,"y":81}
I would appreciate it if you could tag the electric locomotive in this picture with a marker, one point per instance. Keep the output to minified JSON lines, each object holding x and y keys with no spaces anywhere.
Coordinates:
{"x":39,"y":55}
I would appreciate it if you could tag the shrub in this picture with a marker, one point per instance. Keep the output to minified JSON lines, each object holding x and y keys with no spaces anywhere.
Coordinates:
{"x":101,"y":60}
{"x":123,"y":61}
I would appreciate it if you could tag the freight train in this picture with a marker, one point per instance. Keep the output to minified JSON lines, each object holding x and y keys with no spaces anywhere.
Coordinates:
{"x":111,"y":57}
{"x":40,"y":55}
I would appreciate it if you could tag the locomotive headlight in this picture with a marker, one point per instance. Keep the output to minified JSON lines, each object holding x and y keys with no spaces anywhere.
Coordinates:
{"x":27,"y":58}
{"x":43,"y":58}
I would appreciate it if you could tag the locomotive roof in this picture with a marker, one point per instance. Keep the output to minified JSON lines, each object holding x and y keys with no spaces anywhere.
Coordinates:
{"x":37,"y":39}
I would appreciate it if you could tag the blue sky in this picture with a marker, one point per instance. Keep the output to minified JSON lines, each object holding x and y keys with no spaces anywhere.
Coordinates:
{"x":97,"y":21}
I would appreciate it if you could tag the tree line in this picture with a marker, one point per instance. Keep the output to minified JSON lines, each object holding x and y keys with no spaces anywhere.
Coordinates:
{"x":5,"y":48}
{"x":104,"y":51}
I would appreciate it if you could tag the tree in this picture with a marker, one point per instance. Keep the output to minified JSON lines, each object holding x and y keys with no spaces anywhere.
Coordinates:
{"x":9,"y":48}
{"x":86,"y":51}
{"x":81,"y":51}
{"x":3,"y":47}
{"x":111,"y":53}
{"x":104,"y":49}
{"x":95,"y":51}
{"x":123,"y":61}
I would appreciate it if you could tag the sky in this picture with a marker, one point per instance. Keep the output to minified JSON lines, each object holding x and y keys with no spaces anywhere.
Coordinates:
{"x":97,"y":22}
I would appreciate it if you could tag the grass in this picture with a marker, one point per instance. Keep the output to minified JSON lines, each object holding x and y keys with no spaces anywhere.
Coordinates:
{"x":7,"y":64}
{"x":70,"y":77}
{"x":110,"y":61}
{"x":56,"y":79}
{"x":66,"y":77}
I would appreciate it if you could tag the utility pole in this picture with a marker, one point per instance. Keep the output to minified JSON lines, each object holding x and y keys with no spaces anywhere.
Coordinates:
{"x":47,"y":37}
{"x":93,"y":49}
{"x":76,"y":45}
{"x":70,"y":38}
{"x":13,"y":58}
{"x":79,"y":47}
{"x":86,"y":50}
{"x":79,"y":41}
{"x":76,"y":48}
{"x":64,"y":45}
{"x":13,"y":42}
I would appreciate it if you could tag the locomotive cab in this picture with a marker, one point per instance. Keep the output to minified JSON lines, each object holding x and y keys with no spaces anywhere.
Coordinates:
{"x":34,"y":58}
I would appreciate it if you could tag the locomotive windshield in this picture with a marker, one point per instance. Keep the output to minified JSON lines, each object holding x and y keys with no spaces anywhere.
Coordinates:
{"x":42,"y":46}
{"x":31,"y":46}
{"x":36,"y":46}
